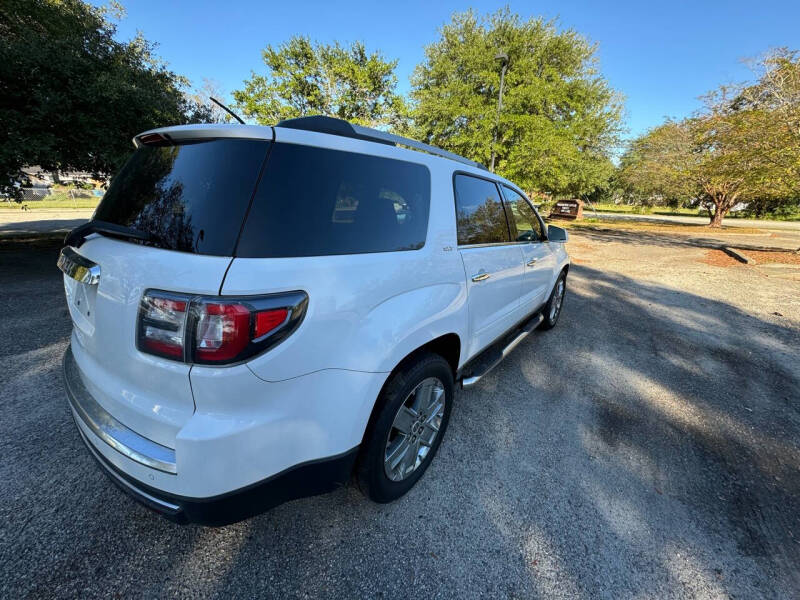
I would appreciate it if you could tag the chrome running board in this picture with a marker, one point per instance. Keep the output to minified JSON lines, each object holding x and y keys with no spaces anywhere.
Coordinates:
{"x":495,"y":358}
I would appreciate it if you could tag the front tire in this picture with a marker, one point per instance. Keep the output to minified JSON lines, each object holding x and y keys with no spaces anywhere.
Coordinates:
{"x":552,"y":309}
{"x":402,"y":439}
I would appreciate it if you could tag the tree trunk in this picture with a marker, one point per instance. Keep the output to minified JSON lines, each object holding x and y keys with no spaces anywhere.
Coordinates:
{"x":721,"y":209}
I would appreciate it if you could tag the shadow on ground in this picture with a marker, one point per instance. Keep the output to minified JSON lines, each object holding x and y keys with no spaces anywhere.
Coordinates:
{"x":39,"y":226}
{"x":647,"y":446}
{"x":677,"y":240}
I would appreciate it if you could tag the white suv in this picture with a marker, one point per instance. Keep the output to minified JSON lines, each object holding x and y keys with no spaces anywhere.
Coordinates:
{"x":260,"y":312}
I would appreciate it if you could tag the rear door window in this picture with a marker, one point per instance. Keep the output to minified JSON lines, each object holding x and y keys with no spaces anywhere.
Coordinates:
{"x":525,"y":225}
{"x":190,"y":197}
{"x":316,"y":201}
{"x":480,"y":217}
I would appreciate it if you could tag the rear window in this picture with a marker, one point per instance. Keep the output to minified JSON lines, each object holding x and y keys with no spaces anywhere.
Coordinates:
{"x":316,"y":201}
{"x":190,"y":197}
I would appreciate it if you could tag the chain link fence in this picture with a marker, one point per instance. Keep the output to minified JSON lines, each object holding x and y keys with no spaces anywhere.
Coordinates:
{"x":36,"y":194}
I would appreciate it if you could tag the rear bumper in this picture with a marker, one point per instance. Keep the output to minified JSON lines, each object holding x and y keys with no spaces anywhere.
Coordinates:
{"x":103,"y":425}
{"x":130,"y":459}
{"x":310,"y":479}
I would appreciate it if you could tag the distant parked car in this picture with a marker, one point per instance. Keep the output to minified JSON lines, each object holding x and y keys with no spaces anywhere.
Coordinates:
{"x":259,"y":312}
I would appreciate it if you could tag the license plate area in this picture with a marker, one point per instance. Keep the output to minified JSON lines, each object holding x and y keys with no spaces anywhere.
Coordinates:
{"x":82,"y":277}
{"x":81,"y":299}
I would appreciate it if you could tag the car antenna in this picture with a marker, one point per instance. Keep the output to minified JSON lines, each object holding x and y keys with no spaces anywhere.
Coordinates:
{"x":226,"y":109}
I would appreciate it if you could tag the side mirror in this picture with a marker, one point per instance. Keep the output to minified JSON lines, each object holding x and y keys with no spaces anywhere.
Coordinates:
{"x":556,"y":234}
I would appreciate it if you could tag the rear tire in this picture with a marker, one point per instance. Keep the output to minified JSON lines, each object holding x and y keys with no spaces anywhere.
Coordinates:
{"x":411,"y":417}
{"x":552,"y":309}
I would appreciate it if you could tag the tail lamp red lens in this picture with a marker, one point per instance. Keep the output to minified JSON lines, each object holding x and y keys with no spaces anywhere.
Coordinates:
{"x":268,"y":320}
{"x":215,"y":330}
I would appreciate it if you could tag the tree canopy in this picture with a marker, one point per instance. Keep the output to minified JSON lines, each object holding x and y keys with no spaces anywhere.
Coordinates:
{"x":305,"y":78}
{"x":560,"y":119}
{"x":71,"y":96}
{"x":744,"y":146}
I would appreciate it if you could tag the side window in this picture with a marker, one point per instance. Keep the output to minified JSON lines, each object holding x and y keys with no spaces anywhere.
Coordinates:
{"x":480,"y":217}
{"x":522,"y":218}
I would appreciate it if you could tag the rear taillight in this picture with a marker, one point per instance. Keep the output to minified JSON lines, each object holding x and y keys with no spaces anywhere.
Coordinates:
{"x":162,"y":324}
{"x":222,"y":331}
{"x":215,"y":330}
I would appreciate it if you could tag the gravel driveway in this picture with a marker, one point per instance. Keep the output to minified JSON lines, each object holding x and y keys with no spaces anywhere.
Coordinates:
{"x":649,"y":446}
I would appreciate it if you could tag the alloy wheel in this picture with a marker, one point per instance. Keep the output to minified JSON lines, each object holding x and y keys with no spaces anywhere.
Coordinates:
{"x":414,"y":429}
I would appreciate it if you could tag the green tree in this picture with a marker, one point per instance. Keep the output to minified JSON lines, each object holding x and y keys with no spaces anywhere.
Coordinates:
{"x":744,"y":146}
{"x":657,"y":167}
{"x":306,"y":78}
{"x":560,"y":119}
{"x":71,"y":96}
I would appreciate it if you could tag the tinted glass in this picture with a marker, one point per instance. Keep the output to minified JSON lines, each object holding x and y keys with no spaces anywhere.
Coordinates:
{"x":316,"y":201}
{"x":525,"y":226}
{"x":479,"y":213}
{"x":190,"y":197}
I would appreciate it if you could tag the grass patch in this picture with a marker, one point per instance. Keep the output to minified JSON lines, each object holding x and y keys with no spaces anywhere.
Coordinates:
{"x":52,"y":202}
{"x":642,"y":210}
{"x":682,"y":212}
{"x":784,"y":217}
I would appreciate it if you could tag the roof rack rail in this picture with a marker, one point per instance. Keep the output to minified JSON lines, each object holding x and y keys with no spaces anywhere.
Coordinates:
{"x":334,"y":126}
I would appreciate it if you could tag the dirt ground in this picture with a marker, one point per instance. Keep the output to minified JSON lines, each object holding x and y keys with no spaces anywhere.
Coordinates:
{"x":695,"y":264}
{"x":782,"y":258}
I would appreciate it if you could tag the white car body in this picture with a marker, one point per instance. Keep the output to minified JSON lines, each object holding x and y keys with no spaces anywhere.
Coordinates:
{"x":168,"y":431}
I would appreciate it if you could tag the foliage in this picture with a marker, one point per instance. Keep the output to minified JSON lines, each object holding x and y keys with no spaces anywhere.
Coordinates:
{"x":200,"y":98}
{"x":560,"y":118}
{"x":71,"y":96}
{"x":744,"y":146}
{"x":328,"y":79}
{"x":656,"y":168}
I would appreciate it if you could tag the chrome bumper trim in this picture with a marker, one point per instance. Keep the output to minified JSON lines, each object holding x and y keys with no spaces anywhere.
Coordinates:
{"x":168,"y":507}
{"x":100,"y":422}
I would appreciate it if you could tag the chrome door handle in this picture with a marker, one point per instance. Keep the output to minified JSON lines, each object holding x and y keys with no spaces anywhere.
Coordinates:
{"x":531,"y":262}
{"x":481,"y":277}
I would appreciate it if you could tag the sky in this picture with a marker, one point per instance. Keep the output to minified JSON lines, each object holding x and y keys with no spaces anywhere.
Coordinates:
{"x":660,"y":55}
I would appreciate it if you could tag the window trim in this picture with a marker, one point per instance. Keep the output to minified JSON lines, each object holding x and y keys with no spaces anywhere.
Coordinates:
{"x":502,"y":203}
{"x":533,"y":208}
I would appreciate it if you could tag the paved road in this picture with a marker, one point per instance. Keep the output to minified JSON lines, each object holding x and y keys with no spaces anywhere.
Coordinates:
{"x":689,"y":220}
{"x":647,"y":447}
{"x":18,"y":223}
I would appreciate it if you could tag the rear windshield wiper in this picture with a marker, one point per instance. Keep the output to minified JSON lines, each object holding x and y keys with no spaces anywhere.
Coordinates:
{"x":77,"y":236}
